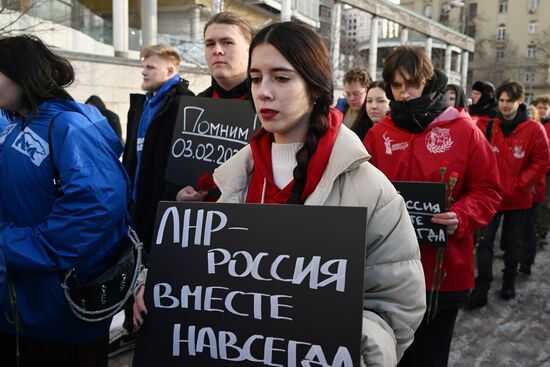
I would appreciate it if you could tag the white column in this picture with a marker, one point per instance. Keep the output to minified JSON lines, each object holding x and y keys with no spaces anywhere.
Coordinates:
{"x":149,"y":22}
{"x":429,"y":42}
{"x":335,"y":32}
{"x":286,"y":10}
{"x":373,"y":48}
{"x":448,"y":59}
{"x":120,"y":27}
{"x":196,"y":24}
{"x":216,"y":6}
{"x":464,"y":69}
{"x":458,"y":62}
{"x":404,"y":36}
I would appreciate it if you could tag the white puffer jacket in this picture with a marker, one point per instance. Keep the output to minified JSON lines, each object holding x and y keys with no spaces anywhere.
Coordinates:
{"x":394,"y":295}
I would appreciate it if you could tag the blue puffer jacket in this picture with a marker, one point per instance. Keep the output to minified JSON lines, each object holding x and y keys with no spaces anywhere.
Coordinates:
{"x":42,"y":234}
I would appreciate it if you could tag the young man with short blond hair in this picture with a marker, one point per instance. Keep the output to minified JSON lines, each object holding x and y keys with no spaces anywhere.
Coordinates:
{"x":151,"y":120}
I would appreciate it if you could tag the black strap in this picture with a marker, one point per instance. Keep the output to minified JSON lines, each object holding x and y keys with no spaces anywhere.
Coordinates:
{"x":489,"y":130}
{"x":56,"y":177}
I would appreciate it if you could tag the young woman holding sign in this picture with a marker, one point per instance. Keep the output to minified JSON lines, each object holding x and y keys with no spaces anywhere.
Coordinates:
{"x":424,"y":140}
{"x":305,"y":155}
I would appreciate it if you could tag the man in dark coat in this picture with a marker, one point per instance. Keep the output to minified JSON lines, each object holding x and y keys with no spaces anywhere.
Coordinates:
{"x":151,"y":120}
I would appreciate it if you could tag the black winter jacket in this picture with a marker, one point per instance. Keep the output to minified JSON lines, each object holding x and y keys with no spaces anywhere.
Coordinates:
{"x":152,"y":187}
{"x":237,"y":92}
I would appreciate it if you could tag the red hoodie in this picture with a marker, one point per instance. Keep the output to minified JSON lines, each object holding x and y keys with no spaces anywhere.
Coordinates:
{"x":262,"y":187}
{"x":451,"y":143}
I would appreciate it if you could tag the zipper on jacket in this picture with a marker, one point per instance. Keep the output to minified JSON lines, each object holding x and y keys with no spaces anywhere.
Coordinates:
{"x":409,"y":175}
{"x":263,"y":191}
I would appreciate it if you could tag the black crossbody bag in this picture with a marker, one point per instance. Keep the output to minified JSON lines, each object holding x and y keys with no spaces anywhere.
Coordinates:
{"x":105,"y":294}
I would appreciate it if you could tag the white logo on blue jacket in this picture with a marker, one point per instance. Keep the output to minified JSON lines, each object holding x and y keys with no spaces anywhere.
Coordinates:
{"x":32,"y":145}
{"x":6,"y":132}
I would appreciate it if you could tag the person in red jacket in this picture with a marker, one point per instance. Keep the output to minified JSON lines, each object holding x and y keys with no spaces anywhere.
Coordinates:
{"x":424,"y":140}
{"x":529,"y":242}
{"x":542,"y":103}
{"x":521,"y":149}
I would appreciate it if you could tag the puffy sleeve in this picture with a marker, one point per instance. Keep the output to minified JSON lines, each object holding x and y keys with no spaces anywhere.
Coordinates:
{"x":394,"y":295}
{"x":89,"y":213}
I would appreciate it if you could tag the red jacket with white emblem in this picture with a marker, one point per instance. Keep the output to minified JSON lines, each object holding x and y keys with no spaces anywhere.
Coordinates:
{"x":522,"y":159}
{"x":451,"y":141}
{"x":540,"y":187}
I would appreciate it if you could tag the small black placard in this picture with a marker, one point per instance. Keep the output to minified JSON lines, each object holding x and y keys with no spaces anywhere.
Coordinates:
{"x":423,"y":200}
{"x":208,"y":132}
{"x":254,"y":285}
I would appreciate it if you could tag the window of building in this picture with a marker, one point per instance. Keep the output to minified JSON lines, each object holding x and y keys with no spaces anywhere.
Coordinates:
{"x":531,"y":51}
{"x":529,"y":96}
{"x":533,"y":26}
{"x":428,"y":11}
{"x":503,"y":6}
{"x":471,"y":30}
{"x":534,"y":5}
{"x":529,"y":75}
{"x":499,"y":54}
{"x":501,"y":32}
{"x":472,"y":13}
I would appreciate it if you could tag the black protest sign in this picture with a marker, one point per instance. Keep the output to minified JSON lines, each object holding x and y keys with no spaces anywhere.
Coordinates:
{"x":423,"y":200}
{"x":254,"y":285}
{"x":208,"y":132}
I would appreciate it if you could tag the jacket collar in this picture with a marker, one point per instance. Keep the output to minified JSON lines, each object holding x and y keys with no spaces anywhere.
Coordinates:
{"x":347,"y":154}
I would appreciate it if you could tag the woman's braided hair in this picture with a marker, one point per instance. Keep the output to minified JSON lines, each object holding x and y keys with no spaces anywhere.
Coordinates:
{"x":307,"y":53}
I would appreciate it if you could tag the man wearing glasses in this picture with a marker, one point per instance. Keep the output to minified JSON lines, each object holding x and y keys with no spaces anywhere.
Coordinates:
{"x":356,"y":81}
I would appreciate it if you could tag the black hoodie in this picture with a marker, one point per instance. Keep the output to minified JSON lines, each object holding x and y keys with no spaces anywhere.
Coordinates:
{"x":460,"y":101}
{"x":416,"y":114}
{"x":487,"y":104}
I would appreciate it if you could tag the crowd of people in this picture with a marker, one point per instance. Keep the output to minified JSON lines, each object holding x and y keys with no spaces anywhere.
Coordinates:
{"x":492,"y":155}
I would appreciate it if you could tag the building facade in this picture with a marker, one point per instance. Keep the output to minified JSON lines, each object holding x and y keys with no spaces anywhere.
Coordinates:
{"x":512,"y":38}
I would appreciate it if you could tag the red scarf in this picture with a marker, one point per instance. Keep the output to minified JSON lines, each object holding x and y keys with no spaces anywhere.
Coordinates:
{"x":263,"y":166}
{"x":217,"y":96}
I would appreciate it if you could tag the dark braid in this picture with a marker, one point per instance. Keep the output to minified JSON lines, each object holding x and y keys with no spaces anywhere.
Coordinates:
{"x":317,"y":128}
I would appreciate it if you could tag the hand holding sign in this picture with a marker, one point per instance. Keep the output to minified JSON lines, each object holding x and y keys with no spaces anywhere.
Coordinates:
{"x":448,"y":219}
{"x":139,"y":308}
{"x":427,"y":205}
{"x":188,"y":193}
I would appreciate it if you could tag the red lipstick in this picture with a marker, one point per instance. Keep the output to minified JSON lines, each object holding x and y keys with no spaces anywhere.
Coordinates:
{"x":268,"y":114}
